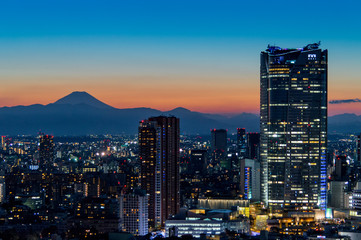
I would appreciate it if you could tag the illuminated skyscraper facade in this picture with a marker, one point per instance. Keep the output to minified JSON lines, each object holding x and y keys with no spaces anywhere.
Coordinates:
{"x":159,"y":159}
{"x":293,"y":127}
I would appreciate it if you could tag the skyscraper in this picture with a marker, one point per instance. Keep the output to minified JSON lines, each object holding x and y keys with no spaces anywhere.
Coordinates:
{"x":219,"y":148}
{"x":46,"y":151}
{"x":293,"y":127}
{"x":340,"y":168}
{"x":253,"y":145}
{"x":159,"y":156}
{"x":241,"y":142}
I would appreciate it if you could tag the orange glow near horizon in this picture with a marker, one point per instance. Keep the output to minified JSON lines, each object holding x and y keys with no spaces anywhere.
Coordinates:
{"x":196,"y":94}
{"x":209,"y":95}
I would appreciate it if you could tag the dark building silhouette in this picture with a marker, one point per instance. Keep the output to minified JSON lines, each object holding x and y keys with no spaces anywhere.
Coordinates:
{"x":219,"y":148}
{"x":241,"y":142}
{"x":293,"y":127}
{"x":101,"y":214}
{"x":46,"y":151}
{"x":340,"y":168}
{"x":253,"y":145}
{"x":358,"y":149}
{"x":198,"y":161}
{"x":159,"y":156}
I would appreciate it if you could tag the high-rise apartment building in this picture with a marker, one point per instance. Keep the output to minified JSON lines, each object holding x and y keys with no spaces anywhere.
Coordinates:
{"x":159,"y":158}
{"x":46,"y":151}
{"x":134,"y":213}
{"x":293,"y":127}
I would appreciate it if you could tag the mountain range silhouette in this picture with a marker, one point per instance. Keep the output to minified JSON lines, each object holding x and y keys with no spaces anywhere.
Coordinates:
{"x":79,"y":113}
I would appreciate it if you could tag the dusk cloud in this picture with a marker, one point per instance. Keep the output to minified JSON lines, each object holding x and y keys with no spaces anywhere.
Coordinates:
{"x":345,"y":101}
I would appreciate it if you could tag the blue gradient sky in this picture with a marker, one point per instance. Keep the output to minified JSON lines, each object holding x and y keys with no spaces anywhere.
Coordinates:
{"x":202,"y":55}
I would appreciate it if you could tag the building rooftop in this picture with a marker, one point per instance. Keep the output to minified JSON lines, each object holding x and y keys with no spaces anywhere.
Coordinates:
{"x":278,"y":50}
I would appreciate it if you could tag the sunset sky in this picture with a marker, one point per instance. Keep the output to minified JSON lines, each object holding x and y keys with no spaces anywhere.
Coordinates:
{"x":202,"y":55}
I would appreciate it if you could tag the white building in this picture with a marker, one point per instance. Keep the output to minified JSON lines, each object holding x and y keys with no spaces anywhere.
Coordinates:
{"x":337,"y":192}
{"x":211,"y":223}
{"x":134,"y":213}
{"x":194,"y":227}
{"x":250,"y":179}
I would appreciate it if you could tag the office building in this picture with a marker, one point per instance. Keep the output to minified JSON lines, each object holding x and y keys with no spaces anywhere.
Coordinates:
{"x":340,"y":168}
{"x":356,"y":200}
{"x":241,"y":142}
{"x":159,"y":158}
{"x":337,"y":194}
{"x":253,"y":145}
{"x":293,"y":127}
{"x":250,"y":179}
{"x":219,"y":148}
{"x":207,"y":222}
{"x":134,"y":213}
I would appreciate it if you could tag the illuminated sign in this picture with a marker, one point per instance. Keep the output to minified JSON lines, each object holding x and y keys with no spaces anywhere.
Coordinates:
{"x":312,"y":56}
{"x":34,"y":167}
{"x":329,"y":213}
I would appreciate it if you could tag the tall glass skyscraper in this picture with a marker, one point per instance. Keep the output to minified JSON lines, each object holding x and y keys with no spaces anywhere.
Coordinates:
{"x":293,"y":127}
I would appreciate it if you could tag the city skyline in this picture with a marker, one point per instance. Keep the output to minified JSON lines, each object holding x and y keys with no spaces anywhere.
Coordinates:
{"x":180,"y":120}
{"x":203,"y":56}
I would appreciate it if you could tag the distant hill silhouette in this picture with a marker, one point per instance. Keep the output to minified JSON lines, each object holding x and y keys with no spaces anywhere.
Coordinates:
{"x":344,"y":123}
{"x":79,"y":113}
